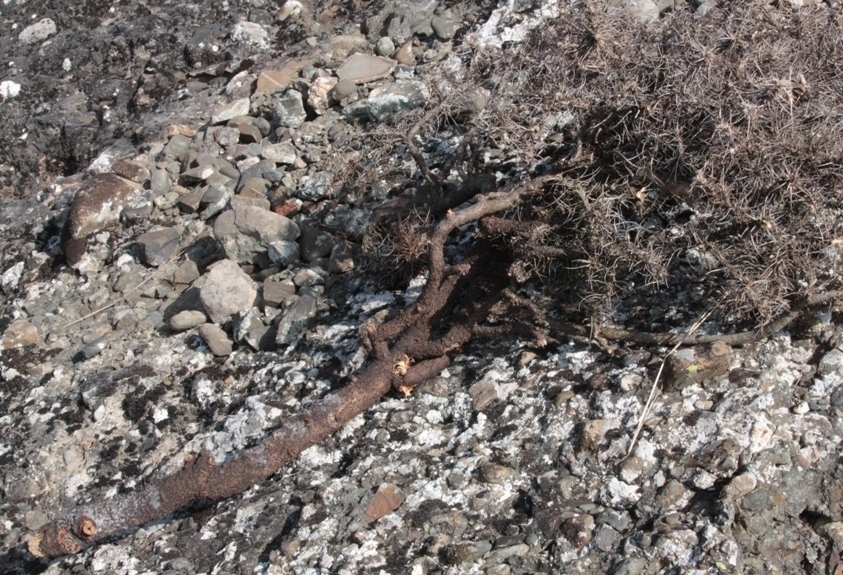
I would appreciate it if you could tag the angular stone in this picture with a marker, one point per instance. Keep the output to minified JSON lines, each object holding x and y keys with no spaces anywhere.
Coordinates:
{"x":187,"y":319}
{"x":317,"y":95}
{"x":139,"y":206}
{"x":227,"y":291}
{"x":363,"y":68}
{"x":130,"y":171}
{"x":315,"y":187}
{"x":37,"y":32}
{"x":288,"y":109}
{"x":314,"y":243}
{"x":198,"y":174}
{"x":176,"y":147}
{"x":283,"y":153}
{"x":307,"y":278}
{"x":254,"y":170}
{"x":695,"y":365}
{"x":246,"y":231}
{"x":283,"y":253}
{"x":444,"y":28}
{"x":386,"y":500}
{"x":158,"y":246}
{"x":20,"y":334}
{"x":189,"y":203}
{"x":216,"y":338}
{"x":275,"y":80}
{"x":255,"y":188}
{"x":342,"y":90}
{"x":160,"y":182}
{"x":385,"y":101}
{"x":186,"y":273}
{"x":228,"y":111}
{"x":238,"y":202}
{"x":276,"y":292}
{"x":252,"y":331}
{"x":99,"y":203}
{"x":295,"y":321}
{"x":249,"y":133}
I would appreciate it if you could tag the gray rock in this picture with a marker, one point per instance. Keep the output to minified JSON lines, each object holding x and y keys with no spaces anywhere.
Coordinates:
{"x":831,"y":362}
{"x":131,"y":171}
{"x":20,"y":334}
{"x":252,"y":331}
{"x":37,"y":32}
{"x":276,"y":292}
{"x":176,"y":147}
{"x":343,"y":89}
{"x":363,"y":68}
{"x":197,"y":174}
{"x":227,"y":291}
{"x":384,"y":102}
{"x":247,"y":231}
{"x":11,"y":278}
{"x":214,"y":200}
{"x":139,"y":207}
{"x":283,"y":253}
{"x":216,"y":338}
{"x":444,"y":28}
{"x":158,"y":246}
{"x":283,"y":153}
{"x":99,"y":203}
{"x":94,"y":348}
{"x":288,"y":109}
{"x":315,"y":187}
{"x":187,"y":319}
{"x":644,"y":10}
{"x":308,"y":277}
{"x":295,"y":321}
{"x":254,"y":188}
{"x":160,"y":182}
{"x":186,"y":273}
{"x":314,"y":243}
{"x":385,"y":46}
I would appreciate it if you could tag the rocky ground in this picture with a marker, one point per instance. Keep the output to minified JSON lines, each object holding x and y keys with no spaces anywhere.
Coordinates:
{"x":169,"y":171}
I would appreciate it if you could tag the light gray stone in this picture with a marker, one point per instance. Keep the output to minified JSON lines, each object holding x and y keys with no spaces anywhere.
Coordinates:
{"x":315,"y":187}
{"x":247,"y":231}
{"x":295,"y":321}
{"x":383,"y":102}
{"x":288,"y":109}
{"x":362,"y":68}
{"x":37,"y":32}
{"x":283,"y":153}
{"x":385,"y":46}
{"x":187,"y":319}
{"x":227,"y":291}
{"x":228,"y":111}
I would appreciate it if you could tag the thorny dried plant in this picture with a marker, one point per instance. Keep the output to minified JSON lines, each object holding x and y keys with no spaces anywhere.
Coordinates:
{"x":693,"y":155}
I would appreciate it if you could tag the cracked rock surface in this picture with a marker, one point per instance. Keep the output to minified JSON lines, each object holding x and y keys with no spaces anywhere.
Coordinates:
{"x":196,"y":303}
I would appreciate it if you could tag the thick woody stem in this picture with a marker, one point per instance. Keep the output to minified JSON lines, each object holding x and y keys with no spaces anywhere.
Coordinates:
{"x":204,"y":479}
